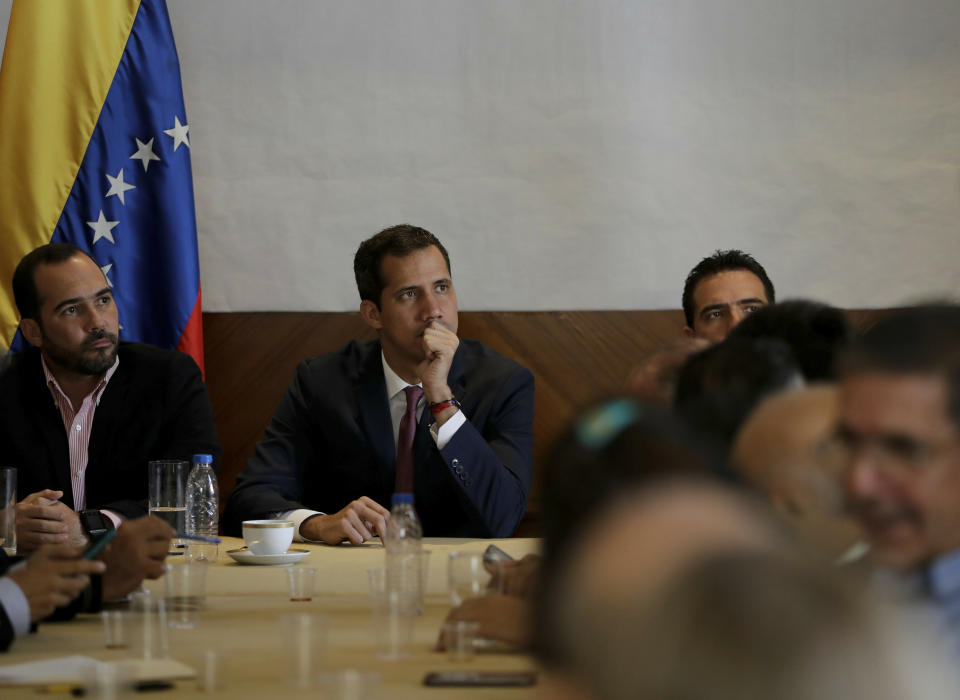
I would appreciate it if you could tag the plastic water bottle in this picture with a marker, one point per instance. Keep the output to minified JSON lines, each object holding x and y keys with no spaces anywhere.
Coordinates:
{"x":404,"y":544}
{"x":203,"y":508}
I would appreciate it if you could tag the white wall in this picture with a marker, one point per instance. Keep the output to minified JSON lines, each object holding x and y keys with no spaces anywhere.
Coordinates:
{"x":575,"y":154}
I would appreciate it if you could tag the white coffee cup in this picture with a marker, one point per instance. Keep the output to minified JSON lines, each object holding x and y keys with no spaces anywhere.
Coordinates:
{"x":268,"y":537}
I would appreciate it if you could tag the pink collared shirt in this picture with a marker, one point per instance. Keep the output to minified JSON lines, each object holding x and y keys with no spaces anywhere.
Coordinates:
{"x":78,"y":425}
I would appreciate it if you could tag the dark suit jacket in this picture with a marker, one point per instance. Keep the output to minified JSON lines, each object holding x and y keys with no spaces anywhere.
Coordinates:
{"x":155,"y":407}
{"x":331,"y":441}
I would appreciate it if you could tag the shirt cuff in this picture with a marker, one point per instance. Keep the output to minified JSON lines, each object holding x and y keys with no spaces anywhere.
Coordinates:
{"x":114,"y":518}
{"x":445,"y":432}
{"x":298,"y":516}
{"x":15,"y":604}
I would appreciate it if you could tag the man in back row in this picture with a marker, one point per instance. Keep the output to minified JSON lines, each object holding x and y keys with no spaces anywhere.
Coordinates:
{"x":417,"y":410}
{"x":80,"y":413}
{"x":719,"y":292}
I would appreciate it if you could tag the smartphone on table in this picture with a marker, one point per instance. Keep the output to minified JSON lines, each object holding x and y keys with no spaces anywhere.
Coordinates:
{"x":98,"y":543}
{"x":493,"y":553}
{"x":480,"y":678}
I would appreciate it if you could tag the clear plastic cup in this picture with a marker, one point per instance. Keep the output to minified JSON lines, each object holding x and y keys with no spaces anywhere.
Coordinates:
{"x":301,"y":582}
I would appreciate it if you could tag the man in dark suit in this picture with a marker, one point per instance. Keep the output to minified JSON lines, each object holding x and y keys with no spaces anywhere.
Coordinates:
{"x":80,"y":413}
{"x":335,"y":449}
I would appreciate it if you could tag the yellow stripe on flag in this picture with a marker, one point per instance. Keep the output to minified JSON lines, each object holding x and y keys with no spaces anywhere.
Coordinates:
{"x":58,"y":63}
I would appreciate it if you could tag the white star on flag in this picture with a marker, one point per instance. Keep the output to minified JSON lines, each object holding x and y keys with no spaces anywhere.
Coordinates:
{"x":102,"y":228}
{"x":105,"y":269}
{"x":178,"y":133}
{"x":144,"y":153}
{"x":118,"y":186}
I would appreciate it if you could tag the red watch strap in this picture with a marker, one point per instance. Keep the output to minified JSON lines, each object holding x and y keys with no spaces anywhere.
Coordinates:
{"x":441,"y":406}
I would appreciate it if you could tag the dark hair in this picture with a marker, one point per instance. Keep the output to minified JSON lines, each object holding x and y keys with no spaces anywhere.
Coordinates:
{"x":722,"y":261}
{"x":719,"y":387}
{"x":24,"y":286}
{"x":611,"y":447}
{"x":816,"y":333}
{"x":919,"y":340}
{"x":397,"y":240}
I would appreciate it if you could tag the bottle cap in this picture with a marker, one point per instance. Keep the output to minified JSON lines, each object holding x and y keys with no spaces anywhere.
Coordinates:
{"x":203,"y":459}
{"x":402,"y":498}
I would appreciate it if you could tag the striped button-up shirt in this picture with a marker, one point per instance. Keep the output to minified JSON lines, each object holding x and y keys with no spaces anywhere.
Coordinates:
{"x":78,"y":424}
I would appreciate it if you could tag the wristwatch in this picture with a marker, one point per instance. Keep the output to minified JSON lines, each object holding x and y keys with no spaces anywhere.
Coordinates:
{"x":440,"y":406}
{"x":94,"y":524}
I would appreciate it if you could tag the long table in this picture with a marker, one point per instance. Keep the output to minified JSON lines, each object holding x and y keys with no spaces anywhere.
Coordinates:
{"x":242,"y":619}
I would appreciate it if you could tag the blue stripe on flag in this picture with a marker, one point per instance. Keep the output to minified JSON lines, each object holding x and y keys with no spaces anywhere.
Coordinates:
{"x":144,"y":236}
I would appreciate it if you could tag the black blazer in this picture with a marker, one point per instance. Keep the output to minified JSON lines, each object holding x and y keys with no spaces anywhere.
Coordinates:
{"x":331,"y":441}
{"x":155,"y":407}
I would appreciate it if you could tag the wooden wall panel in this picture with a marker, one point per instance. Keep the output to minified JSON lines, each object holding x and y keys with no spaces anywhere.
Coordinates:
{"x":576,"y":357}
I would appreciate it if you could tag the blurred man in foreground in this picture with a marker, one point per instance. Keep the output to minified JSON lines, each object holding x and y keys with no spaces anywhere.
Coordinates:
{"x":899,"y":439}
{"x":613,"y":446}
{"x":782,"y":450}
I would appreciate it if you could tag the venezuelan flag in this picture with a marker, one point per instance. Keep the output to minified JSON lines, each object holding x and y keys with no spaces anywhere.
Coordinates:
{"x":95,"y":151}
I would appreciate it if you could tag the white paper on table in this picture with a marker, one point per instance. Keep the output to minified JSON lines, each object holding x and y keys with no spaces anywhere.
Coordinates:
{"x":77,"y":668}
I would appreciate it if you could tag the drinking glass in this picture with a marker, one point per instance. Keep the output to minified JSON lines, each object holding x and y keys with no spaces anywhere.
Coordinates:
{"x":185,"y":593}
{"x":458,"y":639}
{"x":167,"y":496}
{"x":350,"y":684}
{"x":469,"y":576}
{"x":150,"y":639}
{"x":392,"y":616}
{"x":304,"y":638}
{"x":8,"y":510}
{"x":117,"y":628}
{"x":301,"y":584}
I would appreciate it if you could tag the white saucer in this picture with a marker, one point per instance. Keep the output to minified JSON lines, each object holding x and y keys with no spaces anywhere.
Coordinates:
{"x":245,"y":556}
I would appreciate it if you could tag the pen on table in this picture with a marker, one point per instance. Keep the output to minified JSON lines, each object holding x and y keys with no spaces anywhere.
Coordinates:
{"x":78,"y":691}
{"x":58,"y":688}
{"x":198,"y":538}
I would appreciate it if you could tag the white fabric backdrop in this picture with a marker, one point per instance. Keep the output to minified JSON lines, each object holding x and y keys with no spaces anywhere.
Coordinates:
{"x":574,"y":154}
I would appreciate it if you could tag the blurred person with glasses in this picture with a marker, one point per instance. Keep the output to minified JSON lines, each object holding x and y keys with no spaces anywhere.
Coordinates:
{"x":898,"y":442}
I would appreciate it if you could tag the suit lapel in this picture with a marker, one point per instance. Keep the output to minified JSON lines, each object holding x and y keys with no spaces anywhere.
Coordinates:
{"x":375,"y":411}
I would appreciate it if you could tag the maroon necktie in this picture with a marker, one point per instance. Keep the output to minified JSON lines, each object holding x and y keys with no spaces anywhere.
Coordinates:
{"x":408,"y":428}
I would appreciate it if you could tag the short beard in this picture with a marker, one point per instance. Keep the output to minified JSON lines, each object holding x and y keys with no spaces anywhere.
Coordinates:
{"x":77,"y":361}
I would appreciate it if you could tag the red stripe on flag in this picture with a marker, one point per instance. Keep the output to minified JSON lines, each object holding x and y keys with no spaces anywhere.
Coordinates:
{"x":191,"y":342}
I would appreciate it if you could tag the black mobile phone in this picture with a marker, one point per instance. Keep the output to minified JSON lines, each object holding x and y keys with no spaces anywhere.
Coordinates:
{"x":480,"y":678}
{"x":494,"y":553}
{"x":97,"y":544}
